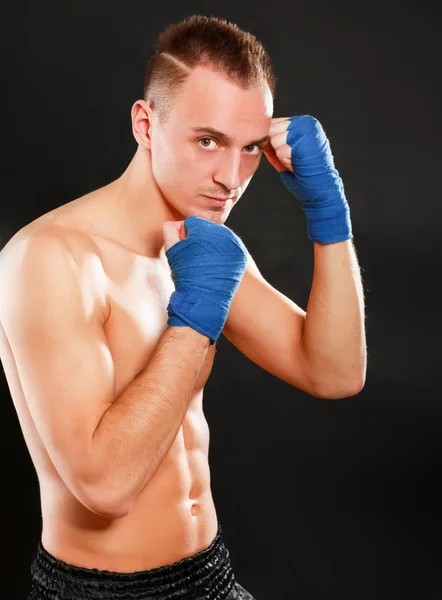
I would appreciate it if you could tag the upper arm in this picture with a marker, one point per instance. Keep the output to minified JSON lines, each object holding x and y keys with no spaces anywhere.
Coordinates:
{"x":57,"y":339}
{"x":267,"y":327}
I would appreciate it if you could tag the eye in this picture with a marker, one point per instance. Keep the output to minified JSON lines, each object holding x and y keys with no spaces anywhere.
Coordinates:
{"x":205,"y":142}
{"x":258,"y":148}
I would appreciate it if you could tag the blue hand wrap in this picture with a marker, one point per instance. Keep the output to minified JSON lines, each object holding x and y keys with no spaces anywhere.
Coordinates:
{"x":316,"y":182}
{"x":207,"y":268}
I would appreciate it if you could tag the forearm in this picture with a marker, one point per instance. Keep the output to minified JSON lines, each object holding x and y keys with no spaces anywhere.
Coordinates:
{"x":137,"y":430}
{"x":334,"y":341}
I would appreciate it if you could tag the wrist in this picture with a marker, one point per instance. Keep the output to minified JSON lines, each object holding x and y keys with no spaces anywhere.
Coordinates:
{"x":195,"y":308}
{"x":175,"y":322}
{"x":336,"y":228}
{"x":325,"y":208}
{"x":181,"y":329}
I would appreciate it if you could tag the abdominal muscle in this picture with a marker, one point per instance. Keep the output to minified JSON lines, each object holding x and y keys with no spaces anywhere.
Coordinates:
{"x":174,"y":516}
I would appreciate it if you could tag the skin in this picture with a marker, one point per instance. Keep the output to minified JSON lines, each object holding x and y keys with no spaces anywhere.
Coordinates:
{"x":116,"y":237}
{"x":175,"y":168}
{"x":122,"y":225}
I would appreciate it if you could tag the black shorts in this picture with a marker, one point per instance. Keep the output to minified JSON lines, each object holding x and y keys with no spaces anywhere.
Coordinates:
{"x":206,"y":575}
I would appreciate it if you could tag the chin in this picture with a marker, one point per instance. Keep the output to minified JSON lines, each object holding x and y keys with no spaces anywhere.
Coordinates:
{"x":216,"y":216}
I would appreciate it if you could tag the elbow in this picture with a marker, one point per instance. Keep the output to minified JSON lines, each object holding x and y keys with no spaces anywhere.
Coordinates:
{"x":334,"y":380}
{"x":109,"y":511}
{"x":101,"y":492}
{"x":105,"y":503}
{"x":338,"y":390}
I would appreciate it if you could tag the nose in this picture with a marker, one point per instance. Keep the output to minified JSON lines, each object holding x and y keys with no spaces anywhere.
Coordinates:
{"x":228,"y":171}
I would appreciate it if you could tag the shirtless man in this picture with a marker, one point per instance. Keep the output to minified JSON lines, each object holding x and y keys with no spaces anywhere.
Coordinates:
{"x":111,"y":305}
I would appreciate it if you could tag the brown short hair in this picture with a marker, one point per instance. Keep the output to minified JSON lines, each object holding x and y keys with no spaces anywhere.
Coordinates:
{"x":209,"y":41}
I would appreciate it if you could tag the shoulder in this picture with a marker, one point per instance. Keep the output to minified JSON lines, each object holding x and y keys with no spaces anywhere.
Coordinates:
{"x":54,"y":224}
{"x":45,"y":250}
{"x":40,"y":239}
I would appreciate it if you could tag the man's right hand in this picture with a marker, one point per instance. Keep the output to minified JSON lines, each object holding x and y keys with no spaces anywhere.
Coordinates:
{"x":207,"y":261}
{"x":173,"y":232}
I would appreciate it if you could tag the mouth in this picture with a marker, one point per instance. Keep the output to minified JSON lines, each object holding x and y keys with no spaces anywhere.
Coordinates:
{"x":217,"y":200}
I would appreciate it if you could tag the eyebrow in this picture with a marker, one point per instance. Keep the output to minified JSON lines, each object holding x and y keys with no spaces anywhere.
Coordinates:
{"x":224,"y":137}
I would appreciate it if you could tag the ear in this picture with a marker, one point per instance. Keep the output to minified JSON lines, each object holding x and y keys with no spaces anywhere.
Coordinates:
{"x":141,"y":115}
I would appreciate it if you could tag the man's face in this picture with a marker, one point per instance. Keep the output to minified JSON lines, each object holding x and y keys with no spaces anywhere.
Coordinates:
{"x":191,"y":162}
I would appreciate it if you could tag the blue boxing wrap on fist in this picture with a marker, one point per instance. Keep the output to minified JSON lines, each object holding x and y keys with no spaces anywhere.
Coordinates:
{"x":316,"y":182}
{"x":207,"y":268}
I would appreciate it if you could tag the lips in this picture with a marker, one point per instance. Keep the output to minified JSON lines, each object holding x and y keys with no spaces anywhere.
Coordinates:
{"x":218,"y":198}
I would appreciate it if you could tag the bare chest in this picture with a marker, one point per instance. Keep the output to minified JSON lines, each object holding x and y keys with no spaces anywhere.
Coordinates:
{"x":137,"y":292}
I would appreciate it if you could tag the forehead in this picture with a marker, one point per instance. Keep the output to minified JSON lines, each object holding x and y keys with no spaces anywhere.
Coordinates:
{"x":208,"y":98}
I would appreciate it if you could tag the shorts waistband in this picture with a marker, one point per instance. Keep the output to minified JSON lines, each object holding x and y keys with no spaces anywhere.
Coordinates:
{"x":206,"y":574}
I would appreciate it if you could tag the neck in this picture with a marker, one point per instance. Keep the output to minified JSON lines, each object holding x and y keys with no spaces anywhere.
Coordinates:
{"x":139,"y":208}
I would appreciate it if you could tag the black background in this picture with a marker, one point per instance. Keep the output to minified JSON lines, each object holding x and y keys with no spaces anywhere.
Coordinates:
{"x":318,"y":499}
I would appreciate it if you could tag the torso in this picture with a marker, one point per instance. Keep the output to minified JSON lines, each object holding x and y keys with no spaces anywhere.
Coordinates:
{"x":174,"y":516}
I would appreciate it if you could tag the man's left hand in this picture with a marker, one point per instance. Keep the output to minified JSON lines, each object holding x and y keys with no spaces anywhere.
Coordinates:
{"x":277,"y":151}
{"x":300,"y":151}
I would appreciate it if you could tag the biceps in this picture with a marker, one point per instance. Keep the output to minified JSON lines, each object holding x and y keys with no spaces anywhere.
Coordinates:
{"x":267,"y":327}
{"x":68,"y":383}
{"x":60,"y":351}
